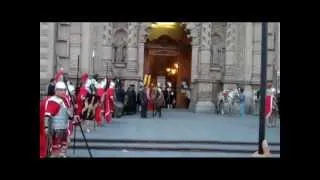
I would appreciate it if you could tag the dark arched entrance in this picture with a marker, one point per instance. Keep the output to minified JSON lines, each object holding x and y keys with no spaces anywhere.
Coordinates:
{"x":168,"y":58}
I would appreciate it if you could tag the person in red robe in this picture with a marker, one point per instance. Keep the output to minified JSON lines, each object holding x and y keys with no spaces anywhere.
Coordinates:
{"x":98,"y":111}
{"x":108,"y":102}
{"x":80,"y":99}
{"x":268,"y":104}
{"x":43,"y":136}
{"x":57,"y":113}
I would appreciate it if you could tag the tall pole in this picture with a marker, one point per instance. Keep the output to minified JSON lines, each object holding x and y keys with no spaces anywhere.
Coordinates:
{"x":264,"y":57}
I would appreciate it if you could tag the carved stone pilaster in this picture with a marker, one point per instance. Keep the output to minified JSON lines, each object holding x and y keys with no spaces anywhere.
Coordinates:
{"x":132,"y":52}
{"x":205,"y":53}
{"x":218,"y":44}
{"x":206,"y":29}
{"x":231,"y":52}
{"x":133,"y":34}
{"x":106,"y":34}
{"x":140,"y":59}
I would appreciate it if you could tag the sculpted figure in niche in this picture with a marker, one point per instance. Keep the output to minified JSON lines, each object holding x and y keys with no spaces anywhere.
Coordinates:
{"x":120,"y":50}
{"x":215,"y":47}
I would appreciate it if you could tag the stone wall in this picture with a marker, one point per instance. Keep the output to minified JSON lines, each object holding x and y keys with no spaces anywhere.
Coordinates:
{"x":222,"y":53}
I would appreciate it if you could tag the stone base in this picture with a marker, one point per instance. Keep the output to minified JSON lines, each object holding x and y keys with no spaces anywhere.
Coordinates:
{"x":204,"y":107}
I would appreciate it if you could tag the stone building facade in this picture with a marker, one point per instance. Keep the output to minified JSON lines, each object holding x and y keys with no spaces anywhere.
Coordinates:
{"x":224,"y":54}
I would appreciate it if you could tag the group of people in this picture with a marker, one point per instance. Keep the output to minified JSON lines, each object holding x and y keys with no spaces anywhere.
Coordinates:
{"x":96,"y":102}
{"x":63,"y":109}
{"x":272,"y":102}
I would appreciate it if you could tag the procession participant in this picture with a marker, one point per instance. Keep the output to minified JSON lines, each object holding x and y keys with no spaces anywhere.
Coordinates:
{"x":108,"y":102}
{"x":43,"y":136}
{"x":57,"y":114}
{"x":100,"y":91}
{"x":143,"y":101}
{"x":82,"y":95}
{"x":268,"y":104}
{"x":159,"y":100}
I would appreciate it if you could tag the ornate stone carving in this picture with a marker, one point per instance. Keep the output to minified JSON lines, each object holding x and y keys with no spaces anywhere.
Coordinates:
{"x":106,"y":34}
{"x":231,"y":37}
{"x":120,"y":25}
{"x":132,"y":34}
{"x":206,"y":29}
{"x":144,"y":29}
{"x":120,"y":46}
{"x":194,"y":29}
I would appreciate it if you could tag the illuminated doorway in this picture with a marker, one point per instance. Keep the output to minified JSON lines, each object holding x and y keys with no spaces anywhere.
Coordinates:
{"x":168,"y":58}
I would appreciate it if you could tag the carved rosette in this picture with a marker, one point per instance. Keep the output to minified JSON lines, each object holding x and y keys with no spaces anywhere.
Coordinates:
{"x":133,"y":34}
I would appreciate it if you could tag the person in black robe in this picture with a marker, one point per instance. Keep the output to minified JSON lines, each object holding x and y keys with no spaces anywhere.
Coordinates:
{"x":119,"y":100}
{"x":143,"y":101}
{"x":131,"y":104}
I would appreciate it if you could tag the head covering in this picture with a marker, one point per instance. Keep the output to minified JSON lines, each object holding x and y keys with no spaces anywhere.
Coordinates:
{"x":60,"y":85}
{"x":59,"y":75}
{"x":112,"y":84}
{"x":84,"y":77}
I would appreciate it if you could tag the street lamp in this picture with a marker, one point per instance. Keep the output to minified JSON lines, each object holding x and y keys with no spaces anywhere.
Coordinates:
{"x":263,"y":82}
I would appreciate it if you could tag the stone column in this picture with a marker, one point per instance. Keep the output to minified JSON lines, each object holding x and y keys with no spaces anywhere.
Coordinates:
{"x":256,"y":53}
{"x":140,"y":59}
{"x":85,"y":56}
{"x":132,"y":51}
{"x":230,"y":59}
{"x":107,"y":48}
{"x":195,"y":32}
{"x":204,"y":100}
{"x":248,"y":52}
{"x":248,"y":67}
{"x":47,"y":56}
{"x":51,"y":37}
{"x":278,"y":46}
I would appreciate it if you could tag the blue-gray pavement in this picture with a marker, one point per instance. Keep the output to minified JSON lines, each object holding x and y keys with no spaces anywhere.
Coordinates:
{"x":147,"y":154}
{"x":179,"y":125}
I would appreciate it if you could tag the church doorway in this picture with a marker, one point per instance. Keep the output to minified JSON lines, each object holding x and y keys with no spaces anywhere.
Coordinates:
{"x":168,"y":58}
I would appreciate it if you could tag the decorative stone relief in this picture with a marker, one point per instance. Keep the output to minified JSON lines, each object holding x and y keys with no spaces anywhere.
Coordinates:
{"x":120,"y":25}
{"x":132,"y":34}
{"x":144,"y":29}
{"x":194,"y":29}
{"x":106,"y":34}
{"x":231,"y":37}
{"x":218,"y":42}
{"x":206,"y":29}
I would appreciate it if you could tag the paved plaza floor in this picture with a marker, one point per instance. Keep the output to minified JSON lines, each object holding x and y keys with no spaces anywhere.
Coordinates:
{"x":179,"y":133}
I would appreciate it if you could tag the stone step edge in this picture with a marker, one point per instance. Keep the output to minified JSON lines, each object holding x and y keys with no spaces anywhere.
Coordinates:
{"x":141,"y":148}
{"x":169,"y":141}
